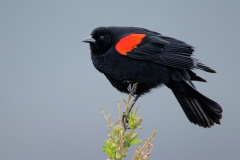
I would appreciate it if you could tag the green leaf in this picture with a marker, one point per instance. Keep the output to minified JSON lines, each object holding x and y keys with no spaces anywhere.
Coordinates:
{"x":127,"y":144}
{"x":134,"y":136}
{"x":118,"y":155}
{"x":108,"y":143}
{"x":136,"y":142}
{"x":104,"y":148}
{"x":109,"y":152}
{"x":133,"y":124}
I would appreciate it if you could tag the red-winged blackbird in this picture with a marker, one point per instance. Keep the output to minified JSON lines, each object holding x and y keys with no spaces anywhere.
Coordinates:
{"x":129,"y":55}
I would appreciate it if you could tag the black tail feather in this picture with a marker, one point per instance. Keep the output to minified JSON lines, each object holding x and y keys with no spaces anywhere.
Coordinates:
{"x":194,"y":76}
{"x":198,"y":108}
{"x":205,"y":68}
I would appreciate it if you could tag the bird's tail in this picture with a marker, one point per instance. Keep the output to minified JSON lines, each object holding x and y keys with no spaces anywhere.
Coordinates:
{"x":198,"y":108}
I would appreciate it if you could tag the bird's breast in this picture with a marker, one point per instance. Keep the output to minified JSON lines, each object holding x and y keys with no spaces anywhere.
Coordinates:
{"x":116,"y":66}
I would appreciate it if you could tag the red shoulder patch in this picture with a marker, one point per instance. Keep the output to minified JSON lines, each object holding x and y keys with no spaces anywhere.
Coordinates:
{"x":128,"y":43}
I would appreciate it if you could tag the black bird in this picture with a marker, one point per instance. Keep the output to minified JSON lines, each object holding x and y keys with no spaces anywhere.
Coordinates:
{"x":129,"y":55}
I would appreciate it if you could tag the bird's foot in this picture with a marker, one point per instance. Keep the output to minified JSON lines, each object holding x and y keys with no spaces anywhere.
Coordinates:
{"x":132,"y":87}
{"x":125,"y":121}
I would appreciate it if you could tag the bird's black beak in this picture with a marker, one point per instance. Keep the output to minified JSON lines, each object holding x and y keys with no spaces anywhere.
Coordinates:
{"x":89,"y":39}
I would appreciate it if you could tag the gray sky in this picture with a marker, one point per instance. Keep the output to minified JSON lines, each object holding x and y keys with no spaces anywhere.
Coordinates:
{"x":50,"y":93}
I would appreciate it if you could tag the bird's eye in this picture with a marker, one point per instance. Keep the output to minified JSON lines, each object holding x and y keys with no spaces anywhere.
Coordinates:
{"x":101,"y":37}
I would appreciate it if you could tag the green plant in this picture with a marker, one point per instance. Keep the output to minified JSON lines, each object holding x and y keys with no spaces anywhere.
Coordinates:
{"x":120,"y":139}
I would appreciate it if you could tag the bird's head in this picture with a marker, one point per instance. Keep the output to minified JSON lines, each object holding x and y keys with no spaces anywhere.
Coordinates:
{"x":100,"y":40}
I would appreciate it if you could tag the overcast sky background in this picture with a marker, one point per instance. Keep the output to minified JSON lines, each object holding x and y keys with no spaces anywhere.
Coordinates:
{"x":50,"y":93}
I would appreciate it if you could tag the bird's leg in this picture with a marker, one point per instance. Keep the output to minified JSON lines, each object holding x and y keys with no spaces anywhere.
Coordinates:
{"x":132,"y":88}
{"x":125,"y":115}
{"x":133,"y":102}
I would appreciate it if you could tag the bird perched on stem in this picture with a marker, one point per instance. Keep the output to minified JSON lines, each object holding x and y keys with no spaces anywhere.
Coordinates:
{"x":131,"y":55}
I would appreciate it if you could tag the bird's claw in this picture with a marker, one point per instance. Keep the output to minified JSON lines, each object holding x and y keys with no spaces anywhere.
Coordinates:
{"x":132,"y":87}
{"x":125,"y":121}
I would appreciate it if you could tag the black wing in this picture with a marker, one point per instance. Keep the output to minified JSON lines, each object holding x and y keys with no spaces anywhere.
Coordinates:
{"x":167,"y":51}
